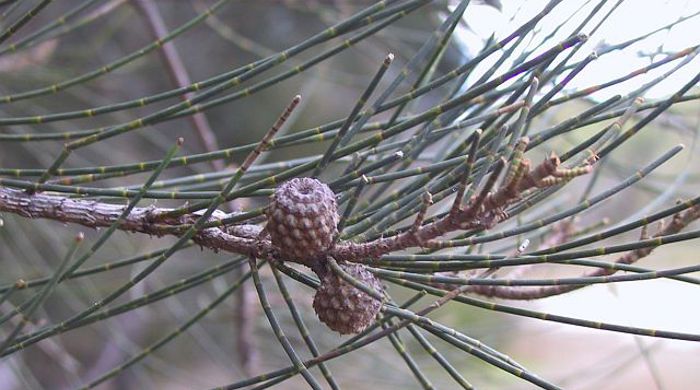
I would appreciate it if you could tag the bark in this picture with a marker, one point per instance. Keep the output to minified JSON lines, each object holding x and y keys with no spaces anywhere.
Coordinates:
{"x":238,"y":238}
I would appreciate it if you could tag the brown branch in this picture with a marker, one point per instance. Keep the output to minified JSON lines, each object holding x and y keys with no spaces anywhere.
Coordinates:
{"x":679,"y":222}
{"x":178,"y":74}
{"x":238,"y":238}
{"x":247,"y":239}
{"x":482,"y":212}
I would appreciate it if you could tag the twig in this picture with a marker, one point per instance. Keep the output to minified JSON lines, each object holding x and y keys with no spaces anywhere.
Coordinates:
{"x":178,"y":74}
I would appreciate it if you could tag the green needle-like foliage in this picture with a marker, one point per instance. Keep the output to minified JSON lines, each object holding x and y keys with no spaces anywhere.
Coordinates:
{"x":469,"y":175}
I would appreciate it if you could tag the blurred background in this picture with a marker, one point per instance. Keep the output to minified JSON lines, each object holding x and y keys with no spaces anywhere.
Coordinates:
{"x":241,"y":32}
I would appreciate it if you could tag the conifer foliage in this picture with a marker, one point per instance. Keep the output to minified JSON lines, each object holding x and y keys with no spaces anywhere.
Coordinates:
{"x":300,"y":213}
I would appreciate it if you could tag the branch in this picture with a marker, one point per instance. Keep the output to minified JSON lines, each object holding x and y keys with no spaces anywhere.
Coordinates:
{"x":238,"y":239}
{"x":178,"y":74}
{"x":678,"y":223}
{"x":483,"y":211}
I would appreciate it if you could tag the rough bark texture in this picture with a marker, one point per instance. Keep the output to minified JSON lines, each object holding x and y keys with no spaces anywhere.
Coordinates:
{"x":238,"y":239}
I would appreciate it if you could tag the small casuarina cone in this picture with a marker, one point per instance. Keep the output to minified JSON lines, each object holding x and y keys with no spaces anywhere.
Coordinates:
{"x":302,"y":219}
{"x":344,"y":308}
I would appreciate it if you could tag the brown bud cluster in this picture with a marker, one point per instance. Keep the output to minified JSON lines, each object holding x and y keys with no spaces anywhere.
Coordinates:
{"x":302,"y":219}
{"x":341,"y":306}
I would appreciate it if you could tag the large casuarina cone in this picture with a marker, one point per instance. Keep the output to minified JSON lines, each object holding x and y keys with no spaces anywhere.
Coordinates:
{"x":343,"y":307}
{"x":302,"y":219}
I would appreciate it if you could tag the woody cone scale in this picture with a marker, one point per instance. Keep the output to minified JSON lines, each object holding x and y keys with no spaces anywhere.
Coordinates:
{"x":343,"y":307}
{"x":302,"y":220}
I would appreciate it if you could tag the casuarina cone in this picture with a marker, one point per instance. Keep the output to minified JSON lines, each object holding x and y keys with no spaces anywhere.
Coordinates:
{"x":302,"y":218}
